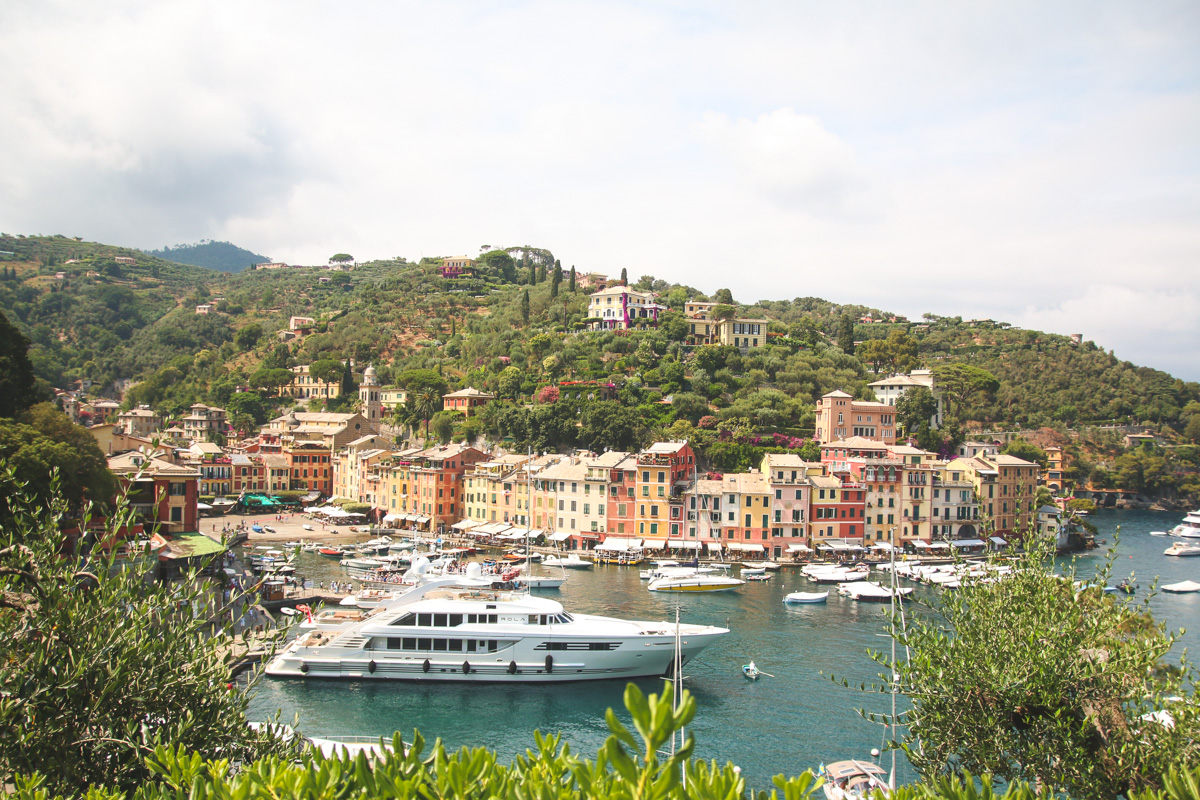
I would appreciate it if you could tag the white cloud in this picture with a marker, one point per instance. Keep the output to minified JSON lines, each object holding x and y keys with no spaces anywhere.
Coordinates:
{"x":791,"y":160}
{"x":1017,"y":161}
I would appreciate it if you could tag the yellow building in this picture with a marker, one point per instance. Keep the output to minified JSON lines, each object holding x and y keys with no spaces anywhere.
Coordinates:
{"x":305,"y":385}
{"x":746,"y":334}
{"x":1006,"y":487}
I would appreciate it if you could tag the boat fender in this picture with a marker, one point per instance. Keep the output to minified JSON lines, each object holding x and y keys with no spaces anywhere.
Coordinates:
{"x":425,"y":666}
{"x":304,"y":668}
{"x":549,"y":663}
{"x":466,"y":668}
{"x":512,"y":668}
{"x":371,"y":667}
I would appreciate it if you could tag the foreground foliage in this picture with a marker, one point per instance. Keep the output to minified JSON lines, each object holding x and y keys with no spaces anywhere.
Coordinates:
{"x":99,"y":665}
{"x":1031,"y":678}
{"x":626,"y":767}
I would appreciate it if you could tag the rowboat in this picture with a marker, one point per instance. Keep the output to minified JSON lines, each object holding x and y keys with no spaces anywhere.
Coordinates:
{"x":806,"y":597}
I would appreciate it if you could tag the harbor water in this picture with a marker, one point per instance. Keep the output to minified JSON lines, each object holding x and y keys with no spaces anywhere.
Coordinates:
{"x":800,"y":718}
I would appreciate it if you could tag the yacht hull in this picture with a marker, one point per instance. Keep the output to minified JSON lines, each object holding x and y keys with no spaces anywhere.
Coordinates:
{"x":649,"y":658}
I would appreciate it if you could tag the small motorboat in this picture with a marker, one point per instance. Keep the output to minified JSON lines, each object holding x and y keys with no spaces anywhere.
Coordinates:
{"x":806,"y":597}
{"x":757,"y":576}
{"x":1127,"y":586}
{"x":853,"y":779}
{"x":1158,"y":533}
{"x":268,"y":529}
{"x":1183,"y":549}
{"x":330,"y":552}
{"x":747,"y":571}
{"x":1182,"y":588}
{"x":256,"y":528}
{"x":308,"y":527}
{"x":289,"y":612}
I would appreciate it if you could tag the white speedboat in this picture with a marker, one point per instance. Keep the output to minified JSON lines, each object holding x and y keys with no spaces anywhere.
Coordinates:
{"x":443,"y":632}
{"x":570,"y":561}
{"x":839,"y":575}
{"x":1183,"y":549}
{"x":657,"y":567}
{"x":768,"y":565}
{"x":869,"y":592}
{"x":1190,"y":527}
{"x":690,"y":579}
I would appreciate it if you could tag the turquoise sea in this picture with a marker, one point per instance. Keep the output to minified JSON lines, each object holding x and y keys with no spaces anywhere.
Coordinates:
{"x":798,"y":719}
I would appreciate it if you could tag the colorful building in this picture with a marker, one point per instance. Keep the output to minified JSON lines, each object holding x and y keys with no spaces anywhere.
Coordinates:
{"x":467,"y":401}
{"x":163,"y":495}
{"x":840,"y":416}
{"x":622,"y":308}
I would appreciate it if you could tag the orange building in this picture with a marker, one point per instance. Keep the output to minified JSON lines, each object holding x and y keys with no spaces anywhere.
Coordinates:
{"x":664,"y":471}
{"x":466,"y":400}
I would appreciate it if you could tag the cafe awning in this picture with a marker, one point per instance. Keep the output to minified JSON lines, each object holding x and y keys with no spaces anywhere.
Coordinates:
{"x":560,"y":536}
{"x":969,"y":543}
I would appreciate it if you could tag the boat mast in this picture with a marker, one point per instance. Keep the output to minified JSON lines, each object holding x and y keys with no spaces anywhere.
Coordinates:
{"x":678,"y":681}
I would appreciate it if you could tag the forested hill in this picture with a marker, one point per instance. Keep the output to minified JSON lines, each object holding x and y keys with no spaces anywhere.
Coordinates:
{"x":221,"y":256}
{"x":512,"y":329}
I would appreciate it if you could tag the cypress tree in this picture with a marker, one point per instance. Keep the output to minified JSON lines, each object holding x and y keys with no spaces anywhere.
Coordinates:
{"x":525,"y":306}
{"x":571,"y":285}
{"x":624,"y":276}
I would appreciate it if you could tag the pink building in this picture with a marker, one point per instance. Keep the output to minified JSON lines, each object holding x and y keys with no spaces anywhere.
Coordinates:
{"x":840,"y":416}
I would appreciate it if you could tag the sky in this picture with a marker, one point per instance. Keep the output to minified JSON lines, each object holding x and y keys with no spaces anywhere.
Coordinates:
{"x":1031,"y":162}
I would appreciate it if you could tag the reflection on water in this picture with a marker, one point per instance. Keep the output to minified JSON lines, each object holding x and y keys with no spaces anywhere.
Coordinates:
{"x":798,"y":719}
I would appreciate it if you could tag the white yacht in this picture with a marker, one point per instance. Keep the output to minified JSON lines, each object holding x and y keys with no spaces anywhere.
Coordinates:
{"x":1190,"y":527}
{"x":444,"y":632}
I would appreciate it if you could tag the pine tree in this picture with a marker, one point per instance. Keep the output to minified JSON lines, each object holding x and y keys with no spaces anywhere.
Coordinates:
{"x":845,"y":336}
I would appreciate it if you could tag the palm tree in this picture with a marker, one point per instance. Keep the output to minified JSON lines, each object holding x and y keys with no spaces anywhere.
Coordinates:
{"x":423,"y":404}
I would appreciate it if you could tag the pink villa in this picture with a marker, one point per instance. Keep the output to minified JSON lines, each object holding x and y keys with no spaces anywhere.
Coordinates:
{"x":840,"y":416}
{"x":466,"y":400}
{"x":456,"y":266}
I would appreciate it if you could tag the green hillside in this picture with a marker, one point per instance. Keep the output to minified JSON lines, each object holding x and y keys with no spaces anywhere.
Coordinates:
{"x":137,"y":324}
{"x":221,"y":256}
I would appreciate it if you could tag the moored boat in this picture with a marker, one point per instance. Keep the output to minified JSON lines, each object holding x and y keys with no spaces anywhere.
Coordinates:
{"x":806,"y":597}
{"x":570,"y":561}
{"x":444,"y":632}
{"x":1183,"y":549}
{"x":870,"y":592}
{"x":1190,"y":527}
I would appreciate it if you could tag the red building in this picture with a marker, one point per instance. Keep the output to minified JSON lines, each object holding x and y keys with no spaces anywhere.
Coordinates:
{"x":163,"y":495}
